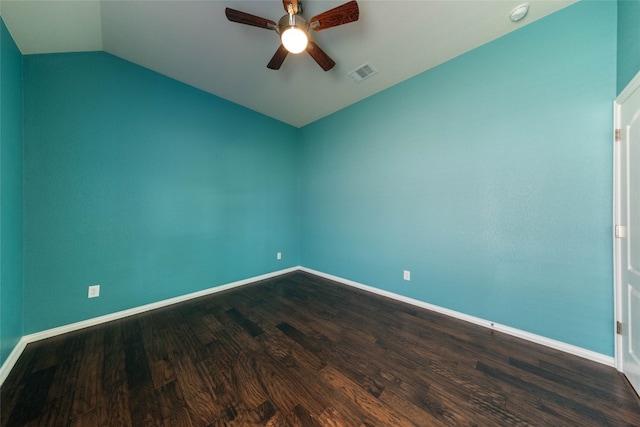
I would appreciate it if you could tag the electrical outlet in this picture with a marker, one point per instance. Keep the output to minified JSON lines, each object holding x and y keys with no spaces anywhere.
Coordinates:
{"x":279,"y":255}
{"x":94,"y":291}
{"x":406,"y":275}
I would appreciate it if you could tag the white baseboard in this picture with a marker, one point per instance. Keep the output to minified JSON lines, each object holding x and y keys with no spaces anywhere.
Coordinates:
{"x":558,"y":345}
{"x":12,"y":359}
{"x":538,"y":339}
{"x":18,"y":349}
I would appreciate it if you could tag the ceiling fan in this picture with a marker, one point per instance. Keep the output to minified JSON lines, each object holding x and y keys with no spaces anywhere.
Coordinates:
{"x":294,"y":29}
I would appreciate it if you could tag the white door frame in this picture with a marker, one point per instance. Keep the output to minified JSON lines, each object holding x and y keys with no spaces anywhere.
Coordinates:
{"x":617,"y":282}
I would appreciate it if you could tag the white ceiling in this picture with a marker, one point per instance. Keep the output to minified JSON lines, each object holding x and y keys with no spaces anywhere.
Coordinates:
{"x":193,"y":42}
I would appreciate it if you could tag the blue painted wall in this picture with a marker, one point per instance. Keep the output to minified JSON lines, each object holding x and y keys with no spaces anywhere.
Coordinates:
{"x":146,"y":186}
{"x":11,"y":237}
{"x":488,"y":177}
{"x":628,"y":41}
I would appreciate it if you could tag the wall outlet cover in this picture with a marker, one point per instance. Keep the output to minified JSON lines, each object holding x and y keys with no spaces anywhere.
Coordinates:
{"x":94,"y":291}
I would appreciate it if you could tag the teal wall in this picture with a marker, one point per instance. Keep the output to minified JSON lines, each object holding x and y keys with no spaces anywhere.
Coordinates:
{"x":11,"y":238}
{"x":628,"y":41}
{"x":488,"y":177}
{"x":146,"y":186}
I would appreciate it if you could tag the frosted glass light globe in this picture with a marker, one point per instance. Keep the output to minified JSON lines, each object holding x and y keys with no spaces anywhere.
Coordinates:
{"x":294,"y":39}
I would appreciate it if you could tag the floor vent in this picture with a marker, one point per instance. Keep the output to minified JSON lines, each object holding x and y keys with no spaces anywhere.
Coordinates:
{"x":363,"y":72}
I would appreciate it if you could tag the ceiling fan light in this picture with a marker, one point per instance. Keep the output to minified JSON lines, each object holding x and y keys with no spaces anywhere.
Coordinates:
{"x":294,"y":39}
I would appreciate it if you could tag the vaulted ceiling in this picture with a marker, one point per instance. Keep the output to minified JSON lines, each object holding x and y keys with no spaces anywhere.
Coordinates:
{"x":193,"y":42}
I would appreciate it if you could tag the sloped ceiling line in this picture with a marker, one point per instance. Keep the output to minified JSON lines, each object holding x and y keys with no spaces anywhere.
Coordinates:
{"x":193,"y":42}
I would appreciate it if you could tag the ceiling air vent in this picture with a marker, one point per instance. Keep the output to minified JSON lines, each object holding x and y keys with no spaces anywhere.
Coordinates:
{"x":363,"y":72}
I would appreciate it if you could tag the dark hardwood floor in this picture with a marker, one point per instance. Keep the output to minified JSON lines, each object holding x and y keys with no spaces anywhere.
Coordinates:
{"x":299,"y":350}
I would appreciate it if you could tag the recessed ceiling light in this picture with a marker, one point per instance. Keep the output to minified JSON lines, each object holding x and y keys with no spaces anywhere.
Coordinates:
{"x":519,"y":12}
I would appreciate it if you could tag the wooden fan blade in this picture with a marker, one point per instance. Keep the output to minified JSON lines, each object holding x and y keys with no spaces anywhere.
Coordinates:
{"x":294,"y":5}
{"x":278,"y":58}
{"x":340,"y":15}
{"x":248,"y":19}
{"x":320,"y":57}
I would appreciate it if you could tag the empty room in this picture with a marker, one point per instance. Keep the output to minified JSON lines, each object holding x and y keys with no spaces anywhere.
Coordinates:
{"x":417,"y":213}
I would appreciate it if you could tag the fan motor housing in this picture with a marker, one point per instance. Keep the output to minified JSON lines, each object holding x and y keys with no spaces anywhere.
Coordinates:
{"x":288,"y":21}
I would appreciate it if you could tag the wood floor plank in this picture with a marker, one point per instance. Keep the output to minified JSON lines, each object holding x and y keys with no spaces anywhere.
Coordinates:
{"x":145,"y":406}
{"x":173,"y":407}
{"x":300,"y":350}
{"x":113,"y":372}
{"x":159,"y":364}
{"x":117,"y":406}
{"x":414,"y":413}
{"x":88,"y":387}
{"x":114,"y":377}
{"x":136,"y":365}
{"x":32,"y":397}
{"x":201,"y":400}
{"x":86,"y":419}
{"x":439,"y":403}
{"x":286,"y":388}
{"x":253,"y":329}
{"x":373,"y":407}
{"x":568,"y":403}
{"x":62,"y":394}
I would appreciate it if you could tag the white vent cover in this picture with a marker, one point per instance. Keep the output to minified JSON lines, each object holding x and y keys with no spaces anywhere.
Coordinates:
{"x":363,"y":72}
